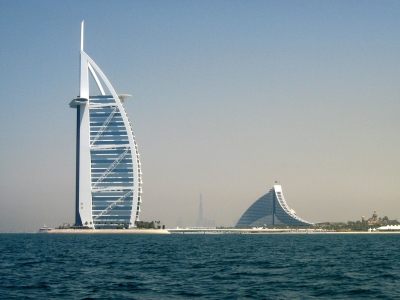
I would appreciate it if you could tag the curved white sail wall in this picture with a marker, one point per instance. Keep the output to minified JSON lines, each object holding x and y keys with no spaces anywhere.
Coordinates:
{"x":108,"y":175}
{"x":271,"y":209}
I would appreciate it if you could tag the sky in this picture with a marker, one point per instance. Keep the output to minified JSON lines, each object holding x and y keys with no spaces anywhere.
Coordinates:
{"x":227,"y":98}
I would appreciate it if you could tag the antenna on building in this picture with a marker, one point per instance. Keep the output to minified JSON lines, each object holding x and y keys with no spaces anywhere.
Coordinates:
{"x":82,"y":27}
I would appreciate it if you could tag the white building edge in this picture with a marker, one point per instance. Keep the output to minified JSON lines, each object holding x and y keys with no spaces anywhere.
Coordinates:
{"x":108,"y":169}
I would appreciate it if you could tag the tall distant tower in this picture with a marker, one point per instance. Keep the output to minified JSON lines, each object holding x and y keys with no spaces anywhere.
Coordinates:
{"x":108,"y":169}
{"x":200,"y":220}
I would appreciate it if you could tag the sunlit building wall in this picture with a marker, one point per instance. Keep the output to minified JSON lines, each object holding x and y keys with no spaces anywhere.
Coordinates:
{"x":270,"y":209}
{"x":108,"y":169}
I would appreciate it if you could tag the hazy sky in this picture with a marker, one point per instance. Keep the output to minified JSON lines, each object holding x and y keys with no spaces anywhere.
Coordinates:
{"x":228,"y":96}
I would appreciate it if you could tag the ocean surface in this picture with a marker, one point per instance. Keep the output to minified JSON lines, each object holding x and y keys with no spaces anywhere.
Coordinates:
{"x":210,"y":266}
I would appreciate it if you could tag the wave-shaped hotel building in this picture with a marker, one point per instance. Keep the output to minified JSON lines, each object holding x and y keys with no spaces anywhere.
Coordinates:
{"x":271,"y":209}
{"x":108,"y":169}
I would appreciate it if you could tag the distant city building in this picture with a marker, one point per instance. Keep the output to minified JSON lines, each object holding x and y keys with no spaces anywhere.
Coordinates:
{"x":108,"y":169}
{"x":201,"y":221}
{"x":270,"y":209}
{"x":372,"y":220}
{"x":179,"y":224}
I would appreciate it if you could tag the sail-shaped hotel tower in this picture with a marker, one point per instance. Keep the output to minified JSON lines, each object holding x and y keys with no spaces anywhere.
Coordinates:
{"x":271,"y":209}
{"x":108,"y":169}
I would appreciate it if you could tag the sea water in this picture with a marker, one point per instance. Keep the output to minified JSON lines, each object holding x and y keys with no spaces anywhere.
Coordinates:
{"x":211,"y":266}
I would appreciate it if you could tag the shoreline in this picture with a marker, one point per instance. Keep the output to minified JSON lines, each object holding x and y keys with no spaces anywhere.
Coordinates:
{"x":201,"y":231}
{"x":206,"y":231}
{"x":108,"y":231}
{"x":247,"y":231}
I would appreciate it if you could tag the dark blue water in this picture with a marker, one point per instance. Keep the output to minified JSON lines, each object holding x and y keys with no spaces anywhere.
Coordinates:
{"x":269,"y":266}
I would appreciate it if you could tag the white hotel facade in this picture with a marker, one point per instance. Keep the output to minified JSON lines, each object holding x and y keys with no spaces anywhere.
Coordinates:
{"x":108,"y":169}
